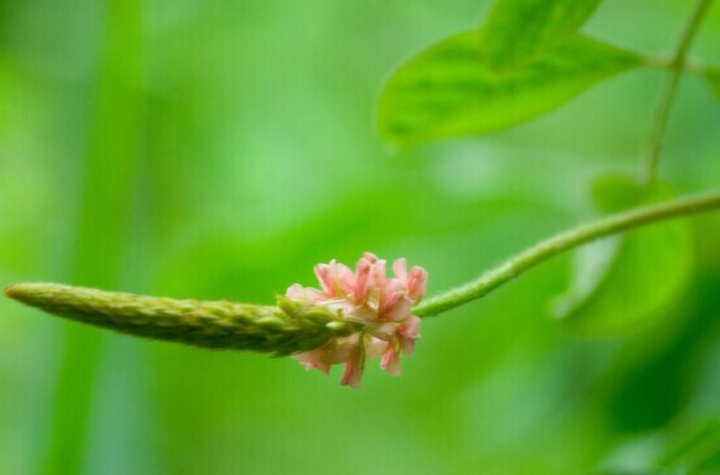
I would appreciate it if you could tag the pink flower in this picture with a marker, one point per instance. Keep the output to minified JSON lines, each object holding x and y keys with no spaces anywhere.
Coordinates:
{"x":367,"y":296}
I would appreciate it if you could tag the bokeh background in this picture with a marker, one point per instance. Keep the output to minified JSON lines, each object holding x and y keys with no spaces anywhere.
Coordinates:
{"x":221,"y":148}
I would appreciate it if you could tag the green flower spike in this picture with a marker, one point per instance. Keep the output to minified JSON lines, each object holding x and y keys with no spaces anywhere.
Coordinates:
{"x":288,"y":328}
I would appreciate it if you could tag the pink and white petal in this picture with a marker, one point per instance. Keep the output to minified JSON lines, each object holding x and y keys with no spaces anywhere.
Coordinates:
{"x":296,"y":292}
{"x":313,"y":359}
{"x":398,"y":310}
{"x":339,"y":306}
{"x":323,"y":367}
{"x":344,"y":350}
{"x":354,"y":369}
{"x":400,"y":269}
{"x":375,"y":347}
{"x":363,"y":280}
{"x":408,"y":333}
{"x":378,"y":272}
{"x":370,"y":257}
{"x":407,"y":345}
{"x":385,"y":332}
{"x":362,"y":314}
{"x":391,"y":291}
{"x":417,"y":283}
{"x":344,"y":279}
{"x":315,"y":296}
{"x":352,"y":376}
{"x":391,"y":362}
{"x":324,"y":273}
{"x":388,"y":296}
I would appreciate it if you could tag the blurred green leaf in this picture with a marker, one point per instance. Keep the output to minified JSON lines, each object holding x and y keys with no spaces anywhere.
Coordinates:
{"x":614,"y":192}
{"x":665,"y":362}
{"x":638,"y":281}
{"x":448,"y":91}
{"x":689,"y":449}
{"x":696,"y":452}
{"x":519,"y":31}
{"x":713,"y":77}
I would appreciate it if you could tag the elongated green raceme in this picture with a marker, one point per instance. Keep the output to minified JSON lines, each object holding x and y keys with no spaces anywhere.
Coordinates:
{"x":282,"y":330}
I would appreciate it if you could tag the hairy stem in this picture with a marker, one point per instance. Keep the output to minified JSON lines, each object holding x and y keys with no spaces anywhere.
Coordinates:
{"x":676,"y":66}
{"x":562,"y":242}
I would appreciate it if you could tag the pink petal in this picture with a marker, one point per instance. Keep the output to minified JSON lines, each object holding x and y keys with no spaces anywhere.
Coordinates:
{"x":400,"y":269}
{"x":362,"y":314}
{"x":417,"y":283}
{"x":378,"y":272}
{"x":314,"y":296}
{"x":344,"y":350}
{"x":411,"y":327}
{"x":391,"y":362}
{"x":375,"y":347}
{"x":370,"y":257}
{"x":324,"y":273}
{"x":354,"y":369}
{"x":324,"y":367}
{"x":408,"y":333}
{"x":295,"y":292}
{"x":385,"y":332}
{"x":362,"y":280}
{"x":389,"y":293}
{"x":398,"y":310}
{"x":339,"y":306}
{"x":337,"y":351}
{"x":343,"y":279}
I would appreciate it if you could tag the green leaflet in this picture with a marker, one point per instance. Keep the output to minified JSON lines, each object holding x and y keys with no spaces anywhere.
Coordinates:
{"x":448,"y":91}
{"x":636,"y":282}
{"x":519,"y":31}
{"x":713,"y":77}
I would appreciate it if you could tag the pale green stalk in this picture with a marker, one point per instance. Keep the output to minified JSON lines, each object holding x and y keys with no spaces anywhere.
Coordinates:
{"x":563,"y":242}
{"x":676,"y":66}
{"x":282,"y":330}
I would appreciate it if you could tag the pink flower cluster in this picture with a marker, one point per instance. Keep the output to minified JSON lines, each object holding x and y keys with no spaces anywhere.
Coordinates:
{"x":381,"y":304}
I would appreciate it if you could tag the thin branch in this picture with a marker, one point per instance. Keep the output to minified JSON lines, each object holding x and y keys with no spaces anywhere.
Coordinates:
{"x":563,"y":242}
{"x":676,"y":66}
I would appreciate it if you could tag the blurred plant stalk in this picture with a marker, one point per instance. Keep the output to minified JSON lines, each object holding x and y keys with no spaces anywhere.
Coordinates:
{"x":103,"y":228}
{"x":676,"y":65}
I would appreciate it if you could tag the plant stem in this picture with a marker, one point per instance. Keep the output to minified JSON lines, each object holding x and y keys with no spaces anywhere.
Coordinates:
{"x":676,"y":66}
{"x":102,"y":232}
{"x":562,"y":242}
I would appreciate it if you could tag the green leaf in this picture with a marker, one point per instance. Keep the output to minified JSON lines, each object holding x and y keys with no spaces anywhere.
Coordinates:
{"x":519,"y":31}
{"x":697,"y":451}
{"x":666,"y":362}
{"x":713,"y":77}
{"x":691,"y":448}
{"x":636,"y":283}
{"x":448,"y":91}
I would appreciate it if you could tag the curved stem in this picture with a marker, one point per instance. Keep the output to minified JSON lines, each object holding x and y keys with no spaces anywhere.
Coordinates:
{"x":676,"y":65}
{"x":562,"y":242}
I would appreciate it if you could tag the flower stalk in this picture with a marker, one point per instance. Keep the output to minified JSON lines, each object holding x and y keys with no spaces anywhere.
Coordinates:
{"x":282,"y":330}
{"x":565,"y":241}
{"x":353,"y":313}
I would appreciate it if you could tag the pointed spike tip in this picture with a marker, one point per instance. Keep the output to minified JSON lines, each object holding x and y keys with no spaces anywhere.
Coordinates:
{"x":11,"y":291}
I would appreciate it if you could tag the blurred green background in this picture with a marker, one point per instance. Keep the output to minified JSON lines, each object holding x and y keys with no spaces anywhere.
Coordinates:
{"x":220,"y":149}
